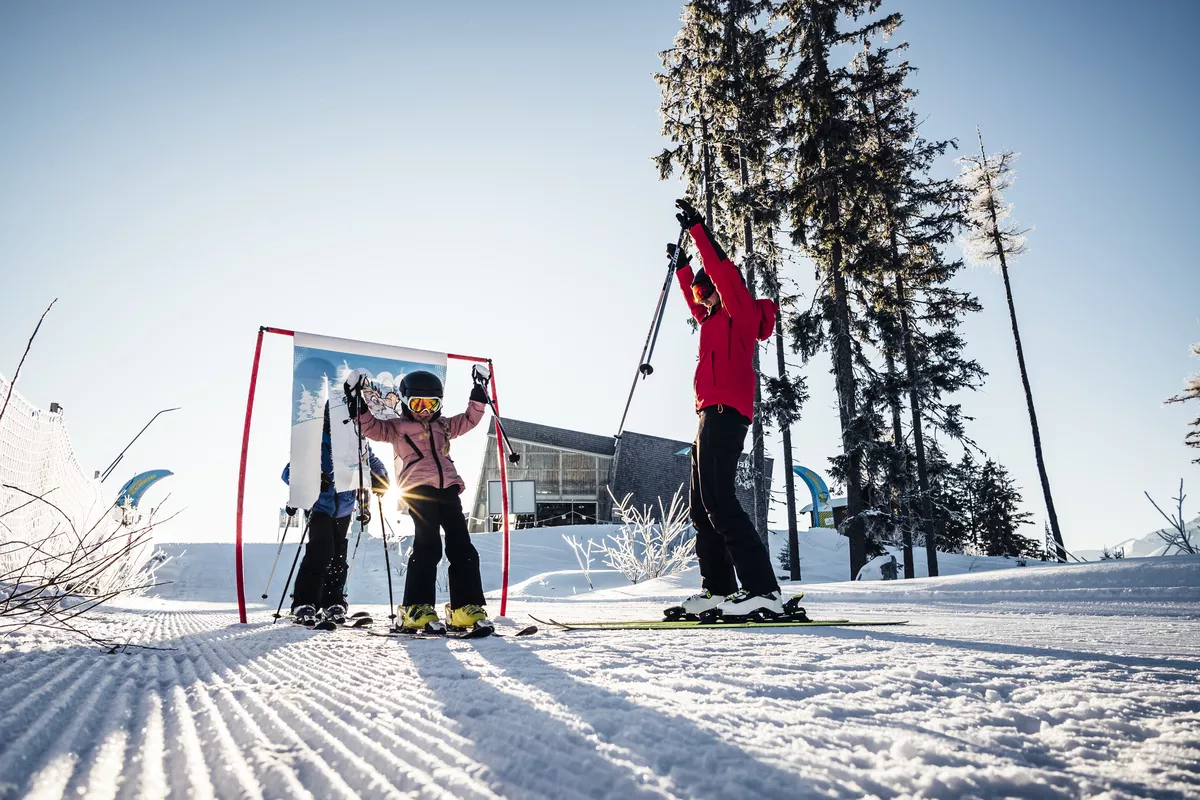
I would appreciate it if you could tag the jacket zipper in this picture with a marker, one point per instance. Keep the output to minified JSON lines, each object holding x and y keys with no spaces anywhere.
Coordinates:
{"x":436,"y":460}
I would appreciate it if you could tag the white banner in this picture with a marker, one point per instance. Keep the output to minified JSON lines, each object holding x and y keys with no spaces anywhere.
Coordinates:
{"x":321,"y":364}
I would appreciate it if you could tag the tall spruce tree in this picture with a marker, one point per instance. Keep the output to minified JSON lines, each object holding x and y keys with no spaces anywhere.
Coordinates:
{"x":691,"y":69}
{"x":993,"y":238}
{"x":825,"y":207}
{"x":719,"y":110}
{"x":907,"y":310}
{"x":751,"y":87}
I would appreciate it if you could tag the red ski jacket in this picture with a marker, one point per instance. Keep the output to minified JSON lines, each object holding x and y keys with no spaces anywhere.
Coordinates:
{"x":728,"y":334}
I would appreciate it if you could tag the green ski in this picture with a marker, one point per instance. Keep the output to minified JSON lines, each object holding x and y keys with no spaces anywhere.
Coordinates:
{"x":648,"y":625}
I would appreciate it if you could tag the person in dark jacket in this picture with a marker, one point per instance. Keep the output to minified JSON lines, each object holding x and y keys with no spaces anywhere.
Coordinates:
{"x":320,"y":589}
{"x":732,"y":323}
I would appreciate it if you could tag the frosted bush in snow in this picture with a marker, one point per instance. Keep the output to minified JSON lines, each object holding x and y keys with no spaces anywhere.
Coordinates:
{"x":59,"y":543}
{"x":643,"y":549}
{"x":583,"y":554}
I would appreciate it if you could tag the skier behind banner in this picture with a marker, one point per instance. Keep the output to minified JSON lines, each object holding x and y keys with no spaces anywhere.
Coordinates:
{"x":732,"y":322}
{"x":430,"y":486}
{"x":320,"y":590}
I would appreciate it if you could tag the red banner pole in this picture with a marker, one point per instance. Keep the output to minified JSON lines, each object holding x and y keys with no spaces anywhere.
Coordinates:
{"x":503,"y":492}
{"x":241,"y":584}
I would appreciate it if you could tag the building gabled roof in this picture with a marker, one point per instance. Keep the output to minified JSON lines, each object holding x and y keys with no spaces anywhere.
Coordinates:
{"x":549,"y":436}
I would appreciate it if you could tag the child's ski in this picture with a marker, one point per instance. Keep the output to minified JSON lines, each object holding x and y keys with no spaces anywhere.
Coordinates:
{"x":479,"y":632}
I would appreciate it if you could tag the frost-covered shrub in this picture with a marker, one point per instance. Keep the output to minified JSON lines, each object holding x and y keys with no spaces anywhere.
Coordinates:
{"x":643,"y":549}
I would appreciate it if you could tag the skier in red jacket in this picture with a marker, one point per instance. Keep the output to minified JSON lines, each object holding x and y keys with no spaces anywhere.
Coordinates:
{"x":731,"y":323}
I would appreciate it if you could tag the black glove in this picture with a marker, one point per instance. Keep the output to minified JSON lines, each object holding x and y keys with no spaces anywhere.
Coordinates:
{"x":379,"y":483}
{"x":354,"y":402}
{"x":479,"y":394}
{"x":326,"y":481}
{"x":684,"y":258}
{"x":291,"y":512}
{"x":687,"y":216}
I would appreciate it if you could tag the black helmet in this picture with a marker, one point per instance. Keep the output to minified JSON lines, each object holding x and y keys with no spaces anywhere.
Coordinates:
{"x":419,"y":384}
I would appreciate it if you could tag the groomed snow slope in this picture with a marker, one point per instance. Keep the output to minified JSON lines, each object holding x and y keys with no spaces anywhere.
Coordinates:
{"x":1046,"y":693}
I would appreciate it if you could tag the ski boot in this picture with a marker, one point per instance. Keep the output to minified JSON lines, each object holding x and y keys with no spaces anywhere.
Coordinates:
{"x":693,"y":607}
{"x":741,"y":606}
{"x":467,"y":618}
{"x":335,"y":613}
{"x":420,"y":618}
{"x":305,"y":615}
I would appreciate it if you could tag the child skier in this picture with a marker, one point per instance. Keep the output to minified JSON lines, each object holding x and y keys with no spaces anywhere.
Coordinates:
{"x":430,"y":486}
{"x":728,"y":547}
{"x":320,"y":590}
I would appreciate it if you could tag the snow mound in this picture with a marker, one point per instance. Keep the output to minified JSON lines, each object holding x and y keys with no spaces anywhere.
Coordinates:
{"x":1149,"y":546}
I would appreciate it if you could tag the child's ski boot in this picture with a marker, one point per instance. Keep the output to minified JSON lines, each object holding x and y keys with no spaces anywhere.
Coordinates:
{"x":468,"y":618}
{"x":335,"y":613}
{"x":420,"y":618}
{"x":305,"y":615}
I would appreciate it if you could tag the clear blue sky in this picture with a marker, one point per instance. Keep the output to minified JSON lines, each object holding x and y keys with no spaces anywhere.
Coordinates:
{"x":475,"y":177}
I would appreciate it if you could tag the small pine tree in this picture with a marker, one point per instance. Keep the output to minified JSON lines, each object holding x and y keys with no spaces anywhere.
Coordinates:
{"x":1192,"y":392}
{"x":785,"y":557}
{"x":998,"y":514}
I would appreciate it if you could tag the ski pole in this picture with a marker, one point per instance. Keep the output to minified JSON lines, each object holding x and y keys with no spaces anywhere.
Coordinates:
{"x":364,"y":509}
{"x":644,"y":369}
{"x":513,"y":455}
{"x":292,"y":571}
{"x":387,"y":564}
{"x":275,"y":563}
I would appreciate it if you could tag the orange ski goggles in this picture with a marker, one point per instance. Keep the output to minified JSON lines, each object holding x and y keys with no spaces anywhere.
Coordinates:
{"x":419,"y":404}
{"x":702,"y":291}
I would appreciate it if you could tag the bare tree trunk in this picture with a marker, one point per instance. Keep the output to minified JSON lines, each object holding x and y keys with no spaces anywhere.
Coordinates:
{"x":758,"y":454}
{"x":1033,"y":423}
{"x":789,"y":476}
{"x":1061,"y":555}
{"x":910,"y":358}
{"x":843,"y":369}
{"x":900,"y":476}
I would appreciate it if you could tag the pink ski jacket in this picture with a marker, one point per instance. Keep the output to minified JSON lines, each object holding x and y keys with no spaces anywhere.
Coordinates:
{"x":423,"y":448}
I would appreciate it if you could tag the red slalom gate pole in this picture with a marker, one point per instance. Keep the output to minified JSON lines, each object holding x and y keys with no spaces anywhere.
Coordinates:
{"x":503,"y":492}
{"x":241,"y":584}
{"x":503,"y":475}
{"x":237,"y":557}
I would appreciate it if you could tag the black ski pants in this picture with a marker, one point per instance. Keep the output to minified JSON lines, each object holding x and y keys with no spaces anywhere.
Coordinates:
{"x":433,"y":509}
{"x":321,"y":580}
{"x":727,"y":545}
